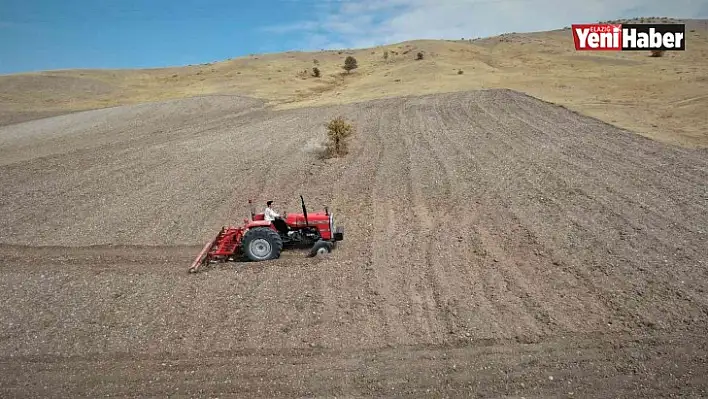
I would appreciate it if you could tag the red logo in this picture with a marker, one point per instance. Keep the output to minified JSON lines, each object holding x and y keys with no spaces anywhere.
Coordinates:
{"x":596,"y":37}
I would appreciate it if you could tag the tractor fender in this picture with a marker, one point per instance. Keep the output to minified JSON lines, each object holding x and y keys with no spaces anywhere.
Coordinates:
{"x":258,"y":223}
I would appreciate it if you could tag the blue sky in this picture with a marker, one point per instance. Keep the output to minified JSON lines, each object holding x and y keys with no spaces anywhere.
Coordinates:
{"x":61,"y":34}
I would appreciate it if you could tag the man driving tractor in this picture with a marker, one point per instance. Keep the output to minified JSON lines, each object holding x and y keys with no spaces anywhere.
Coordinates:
{"x":269,"y":214}
{"x":266,"y":234}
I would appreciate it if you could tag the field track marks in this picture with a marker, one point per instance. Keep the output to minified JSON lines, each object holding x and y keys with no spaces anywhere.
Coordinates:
{"x":577,"y":209}
{"x":393,"y":243}
{"x":588,"y":365}
{"x":356,"y":290}
{"x":476,"y":310}
{"x":515,"y":247}
{"x":428,"y":178}
{"x":549,"y":291}
{"x":565,"y":234}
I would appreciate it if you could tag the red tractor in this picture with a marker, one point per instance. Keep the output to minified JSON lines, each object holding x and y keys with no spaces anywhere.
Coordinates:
{"x":259,"y":239}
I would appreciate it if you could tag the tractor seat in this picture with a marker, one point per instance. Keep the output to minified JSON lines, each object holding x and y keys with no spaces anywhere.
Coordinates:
{"x":281,"y":226}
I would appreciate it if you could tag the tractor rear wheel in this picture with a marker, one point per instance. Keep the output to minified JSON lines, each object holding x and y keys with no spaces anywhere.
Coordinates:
{"x":261,"y":243}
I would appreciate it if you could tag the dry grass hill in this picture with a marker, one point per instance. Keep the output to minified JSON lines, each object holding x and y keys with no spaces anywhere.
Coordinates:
{"x":662,"y":98}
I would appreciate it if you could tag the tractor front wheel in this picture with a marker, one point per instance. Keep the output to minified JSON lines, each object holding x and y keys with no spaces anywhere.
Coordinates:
{"x":261,"y":243}
{"x":320,"y":248}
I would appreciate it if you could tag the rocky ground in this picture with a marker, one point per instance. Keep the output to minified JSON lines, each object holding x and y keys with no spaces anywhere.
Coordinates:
{"x":495,"y":246}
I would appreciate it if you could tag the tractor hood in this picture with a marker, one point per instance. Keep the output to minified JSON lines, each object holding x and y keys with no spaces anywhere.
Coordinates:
{"x":314,"y":218}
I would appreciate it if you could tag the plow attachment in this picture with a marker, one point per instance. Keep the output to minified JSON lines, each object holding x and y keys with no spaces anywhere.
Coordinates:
{"x":220,"y":248}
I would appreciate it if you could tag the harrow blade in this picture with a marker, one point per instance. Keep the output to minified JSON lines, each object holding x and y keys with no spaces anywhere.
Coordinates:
{"x":203,"y":256}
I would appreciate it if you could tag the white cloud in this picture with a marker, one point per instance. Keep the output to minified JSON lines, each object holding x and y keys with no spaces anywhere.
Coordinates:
{"x":366,"y":23}
{"x":314,"y":42}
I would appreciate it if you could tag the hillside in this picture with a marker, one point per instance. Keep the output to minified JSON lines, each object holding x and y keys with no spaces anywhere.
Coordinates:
{"x":494,"y":244}
{"x":662,"y":98}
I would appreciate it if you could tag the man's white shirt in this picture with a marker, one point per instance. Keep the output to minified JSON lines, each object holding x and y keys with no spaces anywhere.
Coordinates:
{"x":270,"y":215}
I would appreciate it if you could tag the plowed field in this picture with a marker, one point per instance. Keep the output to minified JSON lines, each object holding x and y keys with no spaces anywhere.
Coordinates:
{"x":495,"y":245}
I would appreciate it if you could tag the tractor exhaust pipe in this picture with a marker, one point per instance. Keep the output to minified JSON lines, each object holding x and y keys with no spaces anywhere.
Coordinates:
{"x":304,"y":211}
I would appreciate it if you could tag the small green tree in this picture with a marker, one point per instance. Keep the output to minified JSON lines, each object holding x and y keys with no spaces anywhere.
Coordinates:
{"x":350,"y":64}
{"x":316,"y":72}
{"x":337,"y":131}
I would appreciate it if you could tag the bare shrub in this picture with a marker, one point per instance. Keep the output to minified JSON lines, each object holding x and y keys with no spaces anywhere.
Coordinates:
{"x":460,"y":72}
{"x":385,"y":55}
{"x":657,"y":53}
{"x":338,"y":130}
{"x":316,"y":72}
{"x":419,"y":56}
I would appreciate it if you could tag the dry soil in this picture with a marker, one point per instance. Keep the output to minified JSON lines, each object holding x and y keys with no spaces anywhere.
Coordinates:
{"x":495,"y":246}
